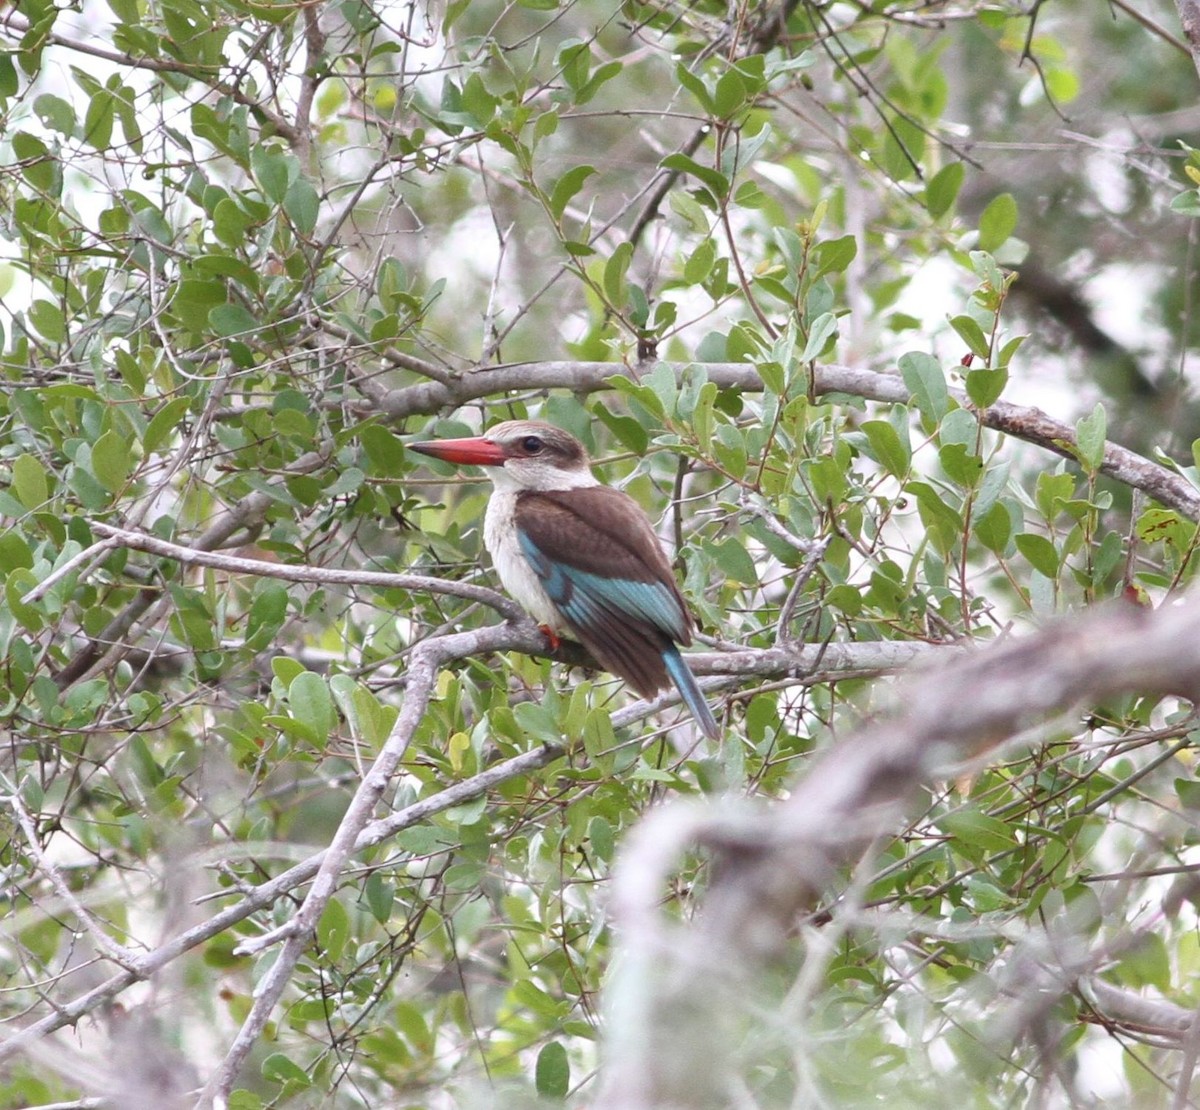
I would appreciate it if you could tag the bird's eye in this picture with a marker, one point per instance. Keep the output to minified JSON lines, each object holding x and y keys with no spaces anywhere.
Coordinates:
{"x":532,"y":445}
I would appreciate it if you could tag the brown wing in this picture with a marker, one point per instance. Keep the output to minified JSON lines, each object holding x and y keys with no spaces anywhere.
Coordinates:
{"x":600,"y":562}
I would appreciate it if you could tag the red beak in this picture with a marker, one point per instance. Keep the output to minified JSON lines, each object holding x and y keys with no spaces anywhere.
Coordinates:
{"x":476,"y":451}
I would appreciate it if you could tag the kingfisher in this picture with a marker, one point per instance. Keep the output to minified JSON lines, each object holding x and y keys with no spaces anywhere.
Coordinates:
{"x":580,"y":557}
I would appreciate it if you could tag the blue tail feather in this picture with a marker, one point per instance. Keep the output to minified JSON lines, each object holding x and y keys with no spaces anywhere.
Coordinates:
{"x":685,"y":681}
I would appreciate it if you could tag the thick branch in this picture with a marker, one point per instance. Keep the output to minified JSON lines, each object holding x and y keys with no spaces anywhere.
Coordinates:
{"x":788,"y":659}
{"x":1031,"y":424}
{"x":1189,"y":20}
{"x":769,"y":869}
{"x":1027,"y":423}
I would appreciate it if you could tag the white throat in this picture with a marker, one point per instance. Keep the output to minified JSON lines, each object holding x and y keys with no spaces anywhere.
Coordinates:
{"x":519,"y":474}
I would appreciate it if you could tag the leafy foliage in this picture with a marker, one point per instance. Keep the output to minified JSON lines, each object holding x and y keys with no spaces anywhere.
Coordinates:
{"x":250,"y":247}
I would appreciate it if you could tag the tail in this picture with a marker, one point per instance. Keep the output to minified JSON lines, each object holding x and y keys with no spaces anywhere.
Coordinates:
{"x":685,"y":681}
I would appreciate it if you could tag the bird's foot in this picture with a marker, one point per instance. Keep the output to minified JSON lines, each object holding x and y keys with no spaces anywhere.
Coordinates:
{"x":551,"y":636}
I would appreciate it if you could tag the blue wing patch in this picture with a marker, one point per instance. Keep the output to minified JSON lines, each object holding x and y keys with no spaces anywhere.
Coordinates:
{"x":582,"y":596}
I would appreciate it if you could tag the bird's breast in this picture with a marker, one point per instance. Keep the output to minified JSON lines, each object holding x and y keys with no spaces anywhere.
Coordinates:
{"x":516,"y":575}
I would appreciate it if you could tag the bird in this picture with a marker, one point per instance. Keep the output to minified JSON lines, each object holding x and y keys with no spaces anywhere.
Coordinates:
{"x":580,"y":557}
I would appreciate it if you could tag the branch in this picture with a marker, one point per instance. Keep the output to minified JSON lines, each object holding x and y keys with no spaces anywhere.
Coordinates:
{"x":669,"y":1046}
{"x":1129,"y":1009}
{"x":323,"y":576}
{"x":843,"y":659}
{"x":1030,"y":424}
{"x":125,"y":957}
{"x":246,"y":515}
{"x":1022,"y":422}
{"x":834,"y":660}
{"x":205,"y":75}
{"x":298,"y":931}
{"x":269,"y":892}
{"x":1189,"y":20}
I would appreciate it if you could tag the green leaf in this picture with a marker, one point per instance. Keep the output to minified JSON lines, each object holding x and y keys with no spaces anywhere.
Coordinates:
{"x":98,"y":121}
{"x":997,"y":222}
{"x":38,"y":166}
{"x":972,"y":334}
{"x":47,"y":318}
{"x":994,"y":483}
{"x":942,"y":521}
{"x":29,"y":482}
{"x":302,"y":205}
{"x":230,"y":223}
{"x":348,"y":481}
{"x":232,"y":320}
{"x":226,"y":265}
{"x":383,"y":449}
{"x":892,"y":452}
{"x":270,"y":171}
{"x":985,"y":386}
{"x":14,"y":552}
{"x":986,"y":267}
{"x":978,"y":829}
{"x":111,"y":461}
{"x":689,"y":211}
{"x":615,"y":287}
{"x":1052,"y":491}
{"x":962,"y":465}
{"x":717,"y":182}
{"x":730,"y":94}
{"x":55,"y":113}
{"x":1187,"y":204}
{"x":380,"y":896}
{"x":312,"y":705}
{"x":553,"y":1072}
{"x":700,"y":263}
{"x":835,"y":255}
{"x":333,"y":929}
{"x":163,"y":423}
{"x":600,"y":836}
{"x":695,"y":86}
{"x":824,"y":327}
{"x":480,"y":104}
{"x":566,"y":187}
{"x":735,"y":562}
{"x":573,"y":60}
{"x":994,"y":528}
{"x":16,"y":586}
{"x":267,"y":614}
{"x":1062,"y":84}
{"x":1009,"y":349}
{"x":1091,"y":433}
{"x":280,"y":1069}
{"x":942,"y":190}
{"x":924,"y":379}
{"x":1188,"y":792}
{"x":241,"y":1099}
{"x":1040,"y":552}
{"x":601,"y":75}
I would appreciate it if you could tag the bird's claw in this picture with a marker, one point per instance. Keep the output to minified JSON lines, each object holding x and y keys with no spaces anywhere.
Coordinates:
{"x":551,"y":636}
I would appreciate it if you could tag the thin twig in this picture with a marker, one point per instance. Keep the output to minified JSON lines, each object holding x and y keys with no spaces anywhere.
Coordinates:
{"x":297,"y":932}
{"x":126,"y":957}
{"x":324,"y":576}
{"x":268,"y":893}
{"x":96,"y":551}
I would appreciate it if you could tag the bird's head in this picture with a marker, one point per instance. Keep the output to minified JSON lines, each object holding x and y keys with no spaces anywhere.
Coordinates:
{"x":519,"y":454}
